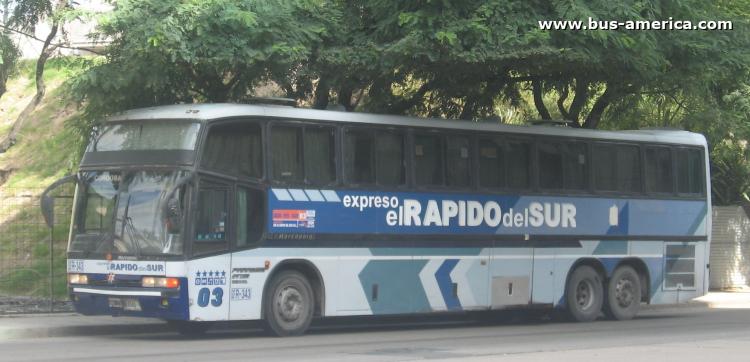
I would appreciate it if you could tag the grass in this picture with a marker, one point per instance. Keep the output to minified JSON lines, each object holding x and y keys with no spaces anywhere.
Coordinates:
{"x":45,"y":151}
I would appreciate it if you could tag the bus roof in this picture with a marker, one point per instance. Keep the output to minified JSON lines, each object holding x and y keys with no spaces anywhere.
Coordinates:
{"x":206,"y":112}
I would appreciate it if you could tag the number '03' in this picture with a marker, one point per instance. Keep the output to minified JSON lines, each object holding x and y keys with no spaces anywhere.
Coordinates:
{"x":204,"y":297}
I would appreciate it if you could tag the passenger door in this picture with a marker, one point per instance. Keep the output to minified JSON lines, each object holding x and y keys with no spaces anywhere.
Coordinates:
{"x":209,"y":271}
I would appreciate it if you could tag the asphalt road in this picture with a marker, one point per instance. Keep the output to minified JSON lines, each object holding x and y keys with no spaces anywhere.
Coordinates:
{"x":699,"y":334}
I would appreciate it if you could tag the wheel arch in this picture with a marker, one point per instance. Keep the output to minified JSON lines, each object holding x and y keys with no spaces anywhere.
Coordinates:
{"x":309,"y":271}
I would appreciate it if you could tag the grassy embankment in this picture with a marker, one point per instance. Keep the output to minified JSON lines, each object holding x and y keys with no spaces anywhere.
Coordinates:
{"x":45,"y":151}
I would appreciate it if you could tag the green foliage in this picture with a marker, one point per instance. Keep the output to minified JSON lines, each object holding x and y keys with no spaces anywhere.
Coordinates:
{"x":454,"y":59}
{"x":176,"y":51}
{"x":730,"y":173}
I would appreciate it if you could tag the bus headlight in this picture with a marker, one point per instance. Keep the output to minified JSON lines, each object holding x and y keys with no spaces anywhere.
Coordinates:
{"x":78,"y":279}
{"x":151,"y":282}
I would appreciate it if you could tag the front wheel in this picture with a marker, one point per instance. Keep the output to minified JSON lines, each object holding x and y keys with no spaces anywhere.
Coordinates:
{"x":622,"y":296}
{"x":584,"y":294}
{"x":289,"y":304}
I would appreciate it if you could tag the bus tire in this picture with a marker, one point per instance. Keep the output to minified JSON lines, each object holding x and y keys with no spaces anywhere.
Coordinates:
{"x":622,"y":294}
{"x":189,"y":328}
{"x":584,"y":294}
{"x":289,"y":304}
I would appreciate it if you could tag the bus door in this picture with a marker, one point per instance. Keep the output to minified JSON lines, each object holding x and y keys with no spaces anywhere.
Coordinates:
{"x":248,"y":262}
{"x":209,"y":270}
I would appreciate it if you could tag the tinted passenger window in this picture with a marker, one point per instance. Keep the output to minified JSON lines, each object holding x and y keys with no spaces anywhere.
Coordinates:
{"x":617,"y":168}
{"x":235,"y":149}
{"x":374,"y":157}
{"x":250,"y":215}
{"x":491,"y":162}
{"x":320,"y":155}
{"x":391,"y":159}
{"x":210,"y":218}
{"x":562,"y":166}
{"x":360,"y":156}
{"x":286,"y":153}
{"x":518,"y":156}
{"x":428,"y":153}
{"x":303,"y":154}
{"x":689,"y":174}
{"x":458,"y":171}
{"x":659,"y":170}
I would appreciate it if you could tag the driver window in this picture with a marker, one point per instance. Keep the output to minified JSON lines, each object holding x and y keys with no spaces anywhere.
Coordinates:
{"x":250,"y":216}
{"x":210,"y":218}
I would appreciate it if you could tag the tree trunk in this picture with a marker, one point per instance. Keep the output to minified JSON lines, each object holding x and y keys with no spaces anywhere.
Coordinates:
{"x":601,"y":104}
{"x":47,"y":50}
{"x":539,"y":100}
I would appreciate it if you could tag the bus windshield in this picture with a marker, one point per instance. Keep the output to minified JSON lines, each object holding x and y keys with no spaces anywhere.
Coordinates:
{"x":120,"y":213}
{"x":151,"y":135}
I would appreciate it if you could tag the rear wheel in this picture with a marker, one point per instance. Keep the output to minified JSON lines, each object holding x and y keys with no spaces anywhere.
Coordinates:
{"x":289,"y":304}
{"x":584,"y":294}
{"x":622,"y":296}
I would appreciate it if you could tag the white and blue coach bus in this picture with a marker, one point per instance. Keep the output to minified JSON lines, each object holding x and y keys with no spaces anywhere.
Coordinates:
{"x":213,"y":212}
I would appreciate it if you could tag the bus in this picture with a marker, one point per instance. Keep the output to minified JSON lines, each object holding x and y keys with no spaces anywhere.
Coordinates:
{"x":199,"y":213}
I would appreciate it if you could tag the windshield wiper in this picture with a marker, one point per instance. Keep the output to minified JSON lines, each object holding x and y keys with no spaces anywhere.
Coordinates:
{"x":127,"y":225}
{"x":101,"y":237}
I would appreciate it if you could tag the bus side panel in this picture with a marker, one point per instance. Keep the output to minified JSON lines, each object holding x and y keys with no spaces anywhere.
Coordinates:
{"x":510,"y":277}
{"x":406,"y":280}
{"x":208,"y":288}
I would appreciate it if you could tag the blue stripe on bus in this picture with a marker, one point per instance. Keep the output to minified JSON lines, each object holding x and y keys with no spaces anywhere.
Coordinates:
{"x":445,"y":283}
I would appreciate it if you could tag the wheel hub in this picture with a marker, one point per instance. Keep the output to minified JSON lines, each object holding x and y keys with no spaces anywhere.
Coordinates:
{"x":585,"y":295}
{"x":289,"y":304}
{"x":625,"y":292}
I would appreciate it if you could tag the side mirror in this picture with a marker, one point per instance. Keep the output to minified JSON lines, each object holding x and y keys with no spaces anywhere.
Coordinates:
{"x":174,"y":216}
{"x":48,"y":202}
{"x":48,"y":210}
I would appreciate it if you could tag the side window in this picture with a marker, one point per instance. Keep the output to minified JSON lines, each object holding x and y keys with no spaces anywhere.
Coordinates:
{"x":359,"y":165}
{"x":286,"y":153}
{"x":617,"y":168}
{"x":563,"y":165}
{"x":303,"y":154}
{"x":458,"y":170}
{"x":518,"y":156}
{"x":391,"y":164}
{"x":550,"y":165}
{"x":210,"y":218}
{"x":428,"y":153}
{"x":234,"y":148}
{"x":251,"y":216}
{"x":491,"y":162}
{"x":320,"y":154}
{"x":689,"y":171}
{"x":659,"y":170}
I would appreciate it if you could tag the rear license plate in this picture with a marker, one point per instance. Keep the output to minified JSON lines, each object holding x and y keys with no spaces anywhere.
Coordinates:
{"x":115,"y":302}
{"x":131,"y":304}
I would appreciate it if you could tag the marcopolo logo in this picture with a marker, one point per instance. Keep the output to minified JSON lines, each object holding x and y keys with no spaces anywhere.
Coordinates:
{"x":466,"y":212}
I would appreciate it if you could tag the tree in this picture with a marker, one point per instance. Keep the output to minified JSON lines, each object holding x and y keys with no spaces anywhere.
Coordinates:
{"x":173,"y":51}
{"x":26,"y":16}
{"x":9,"y":52}
{"x":426,"y":57}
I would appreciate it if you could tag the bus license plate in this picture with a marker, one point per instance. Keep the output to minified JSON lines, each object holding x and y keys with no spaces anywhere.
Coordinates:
{"x":115,"y":303}
{"x":131,"y":304}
